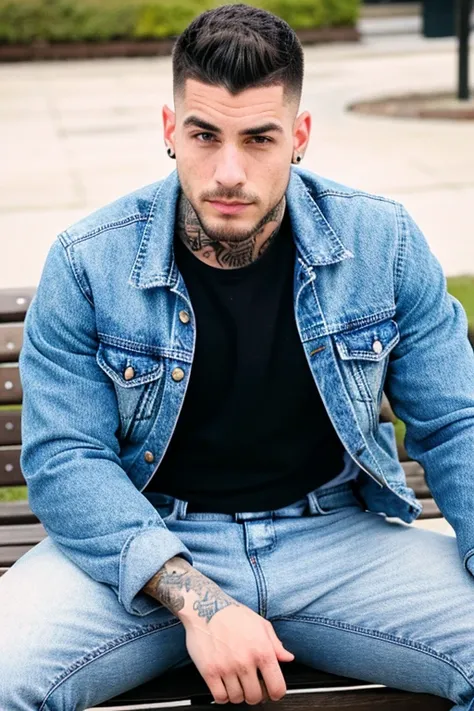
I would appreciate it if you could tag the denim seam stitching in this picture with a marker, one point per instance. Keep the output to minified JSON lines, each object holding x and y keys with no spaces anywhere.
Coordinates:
{"x":357,"y":193}
{"x":383,"y":636}
{"x":145,"y":240}
{"x":339,"y":249}
{"x":124,"y":222}
{"x":72,"y":263}
{"x":262,"y":589}
{"x":98,"y":652}
{"x":344,"y":388}
{"x":143,"y":347}
{"x":337,"y":327}
{"x":402,"y":244}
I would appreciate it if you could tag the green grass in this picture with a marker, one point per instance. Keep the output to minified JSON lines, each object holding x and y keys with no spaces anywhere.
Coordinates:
{"x":461,"y":287}
{"x":13,"y":493}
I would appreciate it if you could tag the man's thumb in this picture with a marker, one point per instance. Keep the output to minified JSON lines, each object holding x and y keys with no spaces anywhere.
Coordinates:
{"x":283,"y":655}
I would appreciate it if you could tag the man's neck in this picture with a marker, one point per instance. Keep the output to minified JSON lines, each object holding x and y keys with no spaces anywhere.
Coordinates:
{"x":226,"y":255}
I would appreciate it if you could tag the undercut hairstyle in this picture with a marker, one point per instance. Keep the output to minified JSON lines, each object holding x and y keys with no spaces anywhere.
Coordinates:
{"x":239,"y":47}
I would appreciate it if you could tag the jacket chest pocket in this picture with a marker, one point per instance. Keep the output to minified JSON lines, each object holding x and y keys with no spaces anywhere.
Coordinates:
{"x":364,"y":355}
{"x":138,"y":381}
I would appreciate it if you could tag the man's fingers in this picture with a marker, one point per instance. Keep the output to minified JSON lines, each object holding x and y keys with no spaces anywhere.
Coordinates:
{"x":254,"y":688}
{"x":284,"y":655}
{"x":218,"y":690}
{"x":273,"y":679}
{"x":234,"y":689}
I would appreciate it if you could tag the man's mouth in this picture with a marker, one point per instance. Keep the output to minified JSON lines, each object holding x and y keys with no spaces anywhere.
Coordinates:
{"x":229,"y":208}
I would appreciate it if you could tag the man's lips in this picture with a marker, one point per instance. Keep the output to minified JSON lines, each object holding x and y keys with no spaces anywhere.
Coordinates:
{"x":229,"y":208}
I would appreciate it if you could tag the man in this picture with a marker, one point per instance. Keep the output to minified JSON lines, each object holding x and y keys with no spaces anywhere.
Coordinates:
{"x":203,"y":368}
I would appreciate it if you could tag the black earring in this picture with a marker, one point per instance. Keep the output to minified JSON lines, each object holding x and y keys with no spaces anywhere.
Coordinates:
{"x":170,"y":153}
{"x":298,"y":159}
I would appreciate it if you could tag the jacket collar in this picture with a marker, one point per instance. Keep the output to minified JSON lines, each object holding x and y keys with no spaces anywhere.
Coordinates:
{"x":316,"y":241}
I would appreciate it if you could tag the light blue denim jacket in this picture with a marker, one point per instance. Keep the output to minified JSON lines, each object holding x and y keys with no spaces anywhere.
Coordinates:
{"x":373,"y":314}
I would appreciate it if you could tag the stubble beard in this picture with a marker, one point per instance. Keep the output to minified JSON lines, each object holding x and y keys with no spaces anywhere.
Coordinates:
{"x":226,"y":248}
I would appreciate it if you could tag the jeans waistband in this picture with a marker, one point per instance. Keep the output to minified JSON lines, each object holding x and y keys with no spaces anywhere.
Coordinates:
{"x":316,"y":502}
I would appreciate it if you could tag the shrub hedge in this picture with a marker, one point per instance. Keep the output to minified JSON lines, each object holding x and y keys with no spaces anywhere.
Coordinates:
{"x":26,"y":21}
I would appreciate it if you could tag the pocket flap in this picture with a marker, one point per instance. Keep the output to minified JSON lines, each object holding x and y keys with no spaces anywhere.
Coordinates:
{"x":129,"y":368}
{"x":372,"y":342}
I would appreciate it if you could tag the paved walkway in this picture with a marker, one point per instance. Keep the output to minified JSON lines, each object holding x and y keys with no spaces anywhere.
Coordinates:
{"x":75,"y":135}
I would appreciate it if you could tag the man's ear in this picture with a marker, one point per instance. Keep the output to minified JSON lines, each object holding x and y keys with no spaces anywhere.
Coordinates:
{"x":301,"y":133}
{"x":169,"y":127}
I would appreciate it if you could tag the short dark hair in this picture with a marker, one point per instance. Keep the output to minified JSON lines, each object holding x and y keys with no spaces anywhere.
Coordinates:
{"x":239,"y":47}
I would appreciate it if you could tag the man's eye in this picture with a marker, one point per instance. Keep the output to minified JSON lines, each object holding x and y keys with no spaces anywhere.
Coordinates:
{"x":261,"y":140}
{"x":204,"y":137}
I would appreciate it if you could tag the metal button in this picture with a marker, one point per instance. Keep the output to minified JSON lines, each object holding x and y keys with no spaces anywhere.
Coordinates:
{"x":377,"y":347}
{"x":177,"y":374}
{"x":184,"y":317}
{"x":129,"y":373}
{"x":149,"y":457}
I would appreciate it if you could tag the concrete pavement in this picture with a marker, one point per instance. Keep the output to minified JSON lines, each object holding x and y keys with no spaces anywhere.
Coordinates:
{"x":75,"y":135}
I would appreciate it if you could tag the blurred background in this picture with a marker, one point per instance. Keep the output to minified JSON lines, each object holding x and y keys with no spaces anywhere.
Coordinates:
{"x":82,"y":83}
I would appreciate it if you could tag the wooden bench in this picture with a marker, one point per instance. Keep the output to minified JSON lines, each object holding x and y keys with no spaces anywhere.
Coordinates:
{"x":20,"y":530}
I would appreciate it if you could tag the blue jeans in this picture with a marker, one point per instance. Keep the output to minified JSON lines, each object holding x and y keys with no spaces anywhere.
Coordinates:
{"x":347,"y":592}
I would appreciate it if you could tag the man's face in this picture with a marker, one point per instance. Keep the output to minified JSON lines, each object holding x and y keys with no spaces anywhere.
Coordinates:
{"x":234,"y":153}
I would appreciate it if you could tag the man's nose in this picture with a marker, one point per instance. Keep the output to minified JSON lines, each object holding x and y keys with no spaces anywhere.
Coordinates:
{"x":230,"y":167}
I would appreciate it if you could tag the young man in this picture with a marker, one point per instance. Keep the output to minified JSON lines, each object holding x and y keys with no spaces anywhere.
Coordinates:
{"x":203,"y":368}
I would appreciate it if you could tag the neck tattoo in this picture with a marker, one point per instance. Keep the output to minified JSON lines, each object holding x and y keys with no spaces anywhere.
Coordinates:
{"x":226,"y":255}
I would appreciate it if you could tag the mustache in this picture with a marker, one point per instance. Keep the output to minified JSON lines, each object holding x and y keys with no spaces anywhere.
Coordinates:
{"x":234,"y":194}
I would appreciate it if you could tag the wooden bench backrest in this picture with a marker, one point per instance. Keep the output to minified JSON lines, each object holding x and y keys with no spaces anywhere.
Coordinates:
{"x":13,"y":306}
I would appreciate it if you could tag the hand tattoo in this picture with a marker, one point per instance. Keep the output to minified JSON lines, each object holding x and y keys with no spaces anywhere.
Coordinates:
{"x":178,"y":577}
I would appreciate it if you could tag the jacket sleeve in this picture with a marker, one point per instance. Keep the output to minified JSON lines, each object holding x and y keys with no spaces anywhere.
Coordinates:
{"x":430,"y":381}
{"x":70,"y":455}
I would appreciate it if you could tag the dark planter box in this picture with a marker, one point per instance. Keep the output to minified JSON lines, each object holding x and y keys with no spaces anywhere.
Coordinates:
{"x":144,"y":48}
{"x":439,"y":18}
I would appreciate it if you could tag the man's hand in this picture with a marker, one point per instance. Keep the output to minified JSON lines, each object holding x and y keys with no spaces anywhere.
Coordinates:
{"x":228,"y":642}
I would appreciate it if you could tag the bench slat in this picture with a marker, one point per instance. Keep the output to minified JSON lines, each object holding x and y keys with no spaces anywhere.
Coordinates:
{"x":10,"y":427}
{"x":10,"y":384}
{"x":14,"y":303}
{"x":23,"y":535}
{"x":10,"y":472}
{"x":11,"y":341}
{"x":363,"y":700}
{"x":10,"y":554}
{"x":183,"y":684}
{"x":430,"y":509}
{"x":16,"y":512}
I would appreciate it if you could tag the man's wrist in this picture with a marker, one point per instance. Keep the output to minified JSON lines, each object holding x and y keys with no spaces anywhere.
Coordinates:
{"x":191,"y":596}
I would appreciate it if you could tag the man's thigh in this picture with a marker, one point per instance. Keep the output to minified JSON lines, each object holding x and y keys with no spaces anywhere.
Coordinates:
{"x":66,"y":642}
{"x":380,"y":601}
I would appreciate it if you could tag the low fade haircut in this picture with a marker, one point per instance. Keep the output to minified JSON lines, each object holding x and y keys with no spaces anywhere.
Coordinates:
{"x":239,"y":47}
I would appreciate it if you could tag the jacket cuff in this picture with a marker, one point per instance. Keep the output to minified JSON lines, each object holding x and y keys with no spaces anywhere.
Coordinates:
{"x":142,"y":556}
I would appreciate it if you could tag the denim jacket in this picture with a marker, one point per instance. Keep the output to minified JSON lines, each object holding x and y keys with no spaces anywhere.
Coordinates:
{"x":108,"y":354}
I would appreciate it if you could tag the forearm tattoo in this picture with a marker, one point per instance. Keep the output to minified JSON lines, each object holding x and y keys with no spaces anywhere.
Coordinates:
{"x":176,"y":578}
{"x":227,"y":254}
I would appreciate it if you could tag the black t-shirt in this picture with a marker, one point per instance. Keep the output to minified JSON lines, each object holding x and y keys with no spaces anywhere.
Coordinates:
{"x":253,"y":433}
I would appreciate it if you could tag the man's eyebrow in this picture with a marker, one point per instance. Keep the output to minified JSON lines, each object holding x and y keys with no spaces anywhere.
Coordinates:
{"x":199,"y":123}
{"x":256,"y":131}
